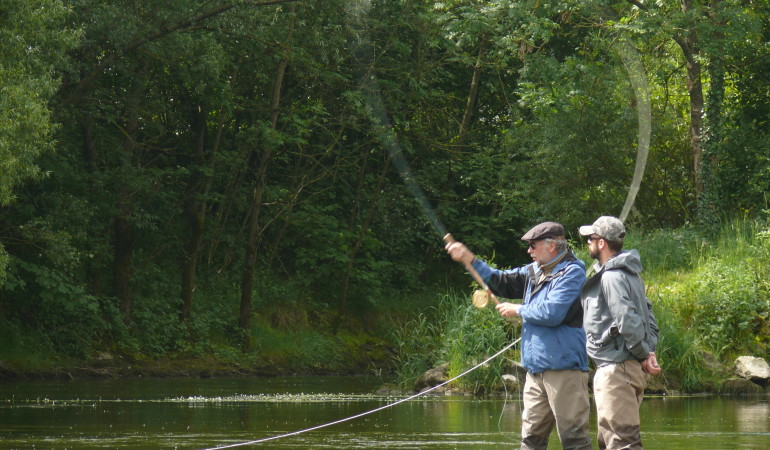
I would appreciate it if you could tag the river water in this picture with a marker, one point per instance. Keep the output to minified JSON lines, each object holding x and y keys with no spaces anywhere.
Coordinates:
{"x":207,"y":413}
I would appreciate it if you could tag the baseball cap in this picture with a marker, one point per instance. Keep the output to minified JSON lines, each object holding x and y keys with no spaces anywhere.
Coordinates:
{"x":608,"y":227}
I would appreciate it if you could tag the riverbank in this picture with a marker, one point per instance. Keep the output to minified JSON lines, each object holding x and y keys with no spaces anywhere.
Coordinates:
{"x":107,"y":366}
{"x":280,"y":351}
{"x":118,"y":369}
{"x":749,"y":377}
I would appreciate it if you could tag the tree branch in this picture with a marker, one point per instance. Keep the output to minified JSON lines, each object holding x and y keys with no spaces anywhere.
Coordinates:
{"x":136,"y":43}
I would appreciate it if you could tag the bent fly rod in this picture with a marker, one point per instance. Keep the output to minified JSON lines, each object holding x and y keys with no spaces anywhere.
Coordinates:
{"x":383,"y":130}
{"x":387,"y":136}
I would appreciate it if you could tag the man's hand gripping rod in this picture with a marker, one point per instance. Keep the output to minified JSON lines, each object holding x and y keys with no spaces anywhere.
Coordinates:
{"x":449,"y":239}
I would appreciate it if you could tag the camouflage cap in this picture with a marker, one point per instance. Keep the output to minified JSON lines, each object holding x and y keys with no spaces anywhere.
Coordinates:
{"x":608,"y":227}
{"x":544,"y":230}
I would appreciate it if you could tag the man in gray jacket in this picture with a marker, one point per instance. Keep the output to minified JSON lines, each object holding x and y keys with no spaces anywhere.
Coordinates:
{"x":621,"y":333}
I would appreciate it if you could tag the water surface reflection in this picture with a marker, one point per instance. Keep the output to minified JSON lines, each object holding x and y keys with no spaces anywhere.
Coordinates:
{"x":206,"y":413}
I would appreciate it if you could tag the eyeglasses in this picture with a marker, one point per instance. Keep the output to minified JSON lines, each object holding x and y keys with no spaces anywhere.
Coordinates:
{"x":593,"y":238}
{"x":533,"y":244}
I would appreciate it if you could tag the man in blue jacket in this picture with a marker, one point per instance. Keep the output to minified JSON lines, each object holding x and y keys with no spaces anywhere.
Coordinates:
{"x":553,"y":341}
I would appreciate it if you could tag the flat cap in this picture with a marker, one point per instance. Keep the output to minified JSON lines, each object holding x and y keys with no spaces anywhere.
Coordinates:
{"x":544,"y":230}
{"x":608,"y":227}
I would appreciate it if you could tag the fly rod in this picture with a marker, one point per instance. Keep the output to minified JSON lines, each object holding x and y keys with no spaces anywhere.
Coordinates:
{"x":481,"y":297}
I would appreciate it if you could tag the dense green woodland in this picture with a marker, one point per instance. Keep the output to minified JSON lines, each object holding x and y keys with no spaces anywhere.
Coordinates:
{"x":214,"y":180}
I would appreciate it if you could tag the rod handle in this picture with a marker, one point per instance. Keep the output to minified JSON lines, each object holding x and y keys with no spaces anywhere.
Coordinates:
{"x":449,"y":239}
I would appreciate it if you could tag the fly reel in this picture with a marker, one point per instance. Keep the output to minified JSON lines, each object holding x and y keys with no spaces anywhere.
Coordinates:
{"x":481,"y":298}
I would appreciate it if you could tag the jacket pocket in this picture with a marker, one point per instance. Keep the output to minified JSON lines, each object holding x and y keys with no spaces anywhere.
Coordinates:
{"x":609,"y":334}
{"x":593,"y":324}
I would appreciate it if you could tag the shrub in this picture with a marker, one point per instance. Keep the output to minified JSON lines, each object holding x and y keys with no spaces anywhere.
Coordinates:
{"x":297,"y":348}
{"x":681,"y":356}
{"x":716,"y":303}
{"x":21,"y":347}
{"x":727,"y":306}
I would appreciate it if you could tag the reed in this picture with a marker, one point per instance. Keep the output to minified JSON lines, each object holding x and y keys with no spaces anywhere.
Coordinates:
{"x":453,"y":332}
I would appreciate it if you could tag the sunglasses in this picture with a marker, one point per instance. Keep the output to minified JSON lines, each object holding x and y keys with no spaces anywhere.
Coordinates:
{"x":593,"y":238}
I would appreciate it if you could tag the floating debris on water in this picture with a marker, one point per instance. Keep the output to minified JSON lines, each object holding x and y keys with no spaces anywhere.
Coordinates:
{"x":284,"y":398}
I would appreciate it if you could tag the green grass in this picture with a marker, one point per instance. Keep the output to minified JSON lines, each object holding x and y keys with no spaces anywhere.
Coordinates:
{"x":19,"y":348}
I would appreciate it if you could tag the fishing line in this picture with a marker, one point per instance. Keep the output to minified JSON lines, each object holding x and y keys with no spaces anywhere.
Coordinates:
{"x":384,"y":131}
{"x":633,"y":64}
{"x":389,"y":405}
{"x":502,"y":410}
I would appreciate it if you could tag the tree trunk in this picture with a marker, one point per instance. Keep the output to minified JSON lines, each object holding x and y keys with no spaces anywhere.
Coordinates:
{"x":709,"y":203}
{"x":372,"y":202}
{"x":689,"y":45}
{"x":122,"y":228}
{"x":124,"y":250}
{"x":195,"y":212}
{"x":695,"y":91}
{"x":470,"y":104}
{"x":250,"y":251}
{"x":93,"y":269}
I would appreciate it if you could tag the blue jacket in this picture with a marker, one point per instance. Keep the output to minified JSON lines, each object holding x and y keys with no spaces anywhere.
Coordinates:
{"x":552,"y":335}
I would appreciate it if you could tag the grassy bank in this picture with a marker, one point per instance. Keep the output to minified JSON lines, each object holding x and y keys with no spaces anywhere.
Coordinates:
{"x":286,"y":339}
{"x":458,"y":334}
{"x":709,"y":290}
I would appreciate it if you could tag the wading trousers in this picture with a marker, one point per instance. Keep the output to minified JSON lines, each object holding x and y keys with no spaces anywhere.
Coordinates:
{"x":618,"y":392}
{"x":556,"y":398}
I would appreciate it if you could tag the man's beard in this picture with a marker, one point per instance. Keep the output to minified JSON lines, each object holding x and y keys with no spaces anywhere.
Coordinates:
{"x":594,"y":252}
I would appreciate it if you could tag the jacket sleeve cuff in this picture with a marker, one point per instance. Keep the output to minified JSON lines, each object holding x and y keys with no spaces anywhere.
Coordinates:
{"x":640,"y":351}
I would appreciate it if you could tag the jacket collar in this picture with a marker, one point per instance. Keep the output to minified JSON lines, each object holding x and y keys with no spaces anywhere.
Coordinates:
{"x":536,"y":281}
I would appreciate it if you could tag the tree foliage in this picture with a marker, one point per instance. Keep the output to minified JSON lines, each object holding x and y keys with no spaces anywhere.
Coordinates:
{"x":215,"y":167}
{"x":33,"y":41}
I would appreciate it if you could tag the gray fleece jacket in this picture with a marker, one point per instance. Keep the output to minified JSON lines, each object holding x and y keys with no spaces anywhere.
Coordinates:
{"x":617,"y":315}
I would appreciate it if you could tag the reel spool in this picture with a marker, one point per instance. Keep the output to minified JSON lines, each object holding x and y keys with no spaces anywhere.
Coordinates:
{"x":481,"y":298}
